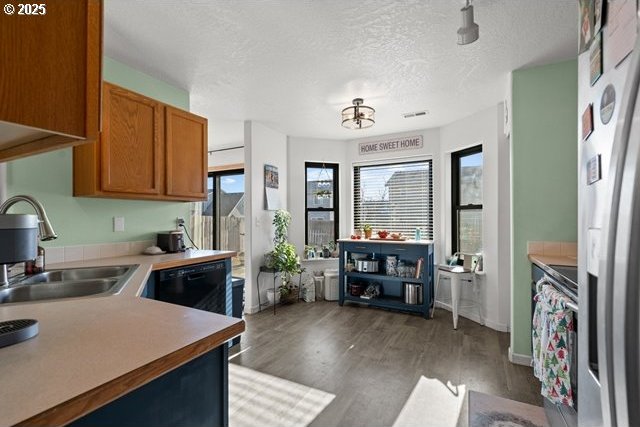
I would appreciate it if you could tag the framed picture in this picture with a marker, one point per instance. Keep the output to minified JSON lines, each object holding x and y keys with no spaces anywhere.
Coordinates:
{"x":594,"y":173}
{"x":598,"y":12}
{"x":596,"y":58}
{"x":587,"y":122}
{"x":271,"y":176}
{"x":585,"y":25}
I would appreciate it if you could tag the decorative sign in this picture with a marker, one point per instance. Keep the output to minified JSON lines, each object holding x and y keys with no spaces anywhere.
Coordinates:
{"x":593,"y":170}
{"x":271,"y":183}
{"x":607,"y":104}
{"x":271,"y":176}
{"x":587,"y":122}
{"x":396,"y":144}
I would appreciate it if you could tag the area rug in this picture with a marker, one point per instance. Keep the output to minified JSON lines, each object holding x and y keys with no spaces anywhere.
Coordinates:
{"x":260,"y":400}
{"x":493,"y":411}
{"x":432,"y":403}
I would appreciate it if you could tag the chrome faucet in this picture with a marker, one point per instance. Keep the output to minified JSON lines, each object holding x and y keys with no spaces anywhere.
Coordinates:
{"x":44,"y":225}
{"x":46,"y":230}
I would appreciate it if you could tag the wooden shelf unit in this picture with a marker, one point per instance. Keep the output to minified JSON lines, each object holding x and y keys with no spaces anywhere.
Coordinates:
{"x":392,"y":286}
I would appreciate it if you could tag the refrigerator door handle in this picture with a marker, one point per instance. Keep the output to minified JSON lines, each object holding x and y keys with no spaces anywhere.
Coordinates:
{"x":619,"y":257}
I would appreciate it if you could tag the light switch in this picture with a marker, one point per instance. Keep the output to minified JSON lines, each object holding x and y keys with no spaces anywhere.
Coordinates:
{"x":118,"y":223}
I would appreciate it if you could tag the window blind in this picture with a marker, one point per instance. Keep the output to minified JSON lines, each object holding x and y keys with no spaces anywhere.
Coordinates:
{"x":396,"y":197}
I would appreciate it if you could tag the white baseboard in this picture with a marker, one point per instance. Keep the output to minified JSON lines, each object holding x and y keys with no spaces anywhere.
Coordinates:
{"x":251,"y":310}
{"x":519,"y":359}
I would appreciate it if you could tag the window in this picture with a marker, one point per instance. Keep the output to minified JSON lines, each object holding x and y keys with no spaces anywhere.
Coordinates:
{"x":395,"y":197}
{"x":466,"y":200}
{"x":321,"y":203}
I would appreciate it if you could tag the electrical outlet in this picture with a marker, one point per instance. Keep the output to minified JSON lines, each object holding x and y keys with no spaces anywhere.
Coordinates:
{"x":179,"y":221}
{"x":118,"y":223}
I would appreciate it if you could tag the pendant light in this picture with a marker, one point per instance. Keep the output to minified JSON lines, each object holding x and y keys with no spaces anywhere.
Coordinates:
{"x":470,"y":31}
{"x":359,"y":116}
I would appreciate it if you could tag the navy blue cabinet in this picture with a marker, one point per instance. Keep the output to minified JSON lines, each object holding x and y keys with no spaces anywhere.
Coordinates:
{"x":391,"y":284}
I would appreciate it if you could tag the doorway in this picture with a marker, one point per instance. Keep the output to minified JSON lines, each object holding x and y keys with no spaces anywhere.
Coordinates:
{"x":219,"y":222}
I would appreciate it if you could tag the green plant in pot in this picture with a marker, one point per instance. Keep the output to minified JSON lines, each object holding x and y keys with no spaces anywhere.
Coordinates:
{"x":367,"y":231}
{"x":283,"y":257}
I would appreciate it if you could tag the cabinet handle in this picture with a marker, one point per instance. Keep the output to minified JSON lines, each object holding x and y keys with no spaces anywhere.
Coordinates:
{"x":400,"y":249}
{"x":361,"y":247}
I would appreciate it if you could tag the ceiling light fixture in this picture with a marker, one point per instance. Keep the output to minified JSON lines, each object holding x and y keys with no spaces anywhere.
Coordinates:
{"x":470,"y":31}
{"x":359,"y":116}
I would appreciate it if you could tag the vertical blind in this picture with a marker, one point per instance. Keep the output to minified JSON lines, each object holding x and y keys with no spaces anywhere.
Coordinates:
{"x":395,"y":197}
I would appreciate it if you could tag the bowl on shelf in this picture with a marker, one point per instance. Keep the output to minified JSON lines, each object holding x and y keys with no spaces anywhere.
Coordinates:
{"x":383,"y":234}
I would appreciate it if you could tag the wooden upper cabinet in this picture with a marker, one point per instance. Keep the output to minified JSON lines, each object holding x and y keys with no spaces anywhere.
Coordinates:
{"x":147,"y":150}
{"x":186,"y":154}
{"x":131,"y":145}
{"x":50,"y":77}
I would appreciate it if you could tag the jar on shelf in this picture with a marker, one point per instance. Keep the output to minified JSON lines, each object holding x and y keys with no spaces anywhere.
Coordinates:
{"x":392,"y":265}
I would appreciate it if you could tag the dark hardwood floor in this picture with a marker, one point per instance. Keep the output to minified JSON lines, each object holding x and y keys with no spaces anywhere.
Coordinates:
{"x":371,"y":359}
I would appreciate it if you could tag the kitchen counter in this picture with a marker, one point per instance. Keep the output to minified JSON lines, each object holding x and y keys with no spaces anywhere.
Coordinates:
{"x":91,"y":351}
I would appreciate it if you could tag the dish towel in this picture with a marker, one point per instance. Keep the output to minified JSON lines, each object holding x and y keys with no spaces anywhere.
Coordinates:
{"x":552,"y":322}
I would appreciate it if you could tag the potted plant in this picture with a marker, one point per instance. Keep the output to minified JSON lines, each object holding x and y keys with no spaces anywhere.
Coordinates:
{"x":283,"y":258}
{"x":367,"y":231}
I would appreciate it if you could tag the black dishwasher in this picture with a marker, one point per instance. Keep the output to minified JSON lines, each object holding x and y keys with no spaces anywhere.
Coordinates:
{"x":201,"y":286}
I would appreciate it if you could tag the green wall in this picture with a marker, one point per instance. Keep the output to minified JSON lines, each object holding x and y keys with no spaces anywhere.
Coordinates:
{"x":544,"y":175}
{"x":80,"y":220}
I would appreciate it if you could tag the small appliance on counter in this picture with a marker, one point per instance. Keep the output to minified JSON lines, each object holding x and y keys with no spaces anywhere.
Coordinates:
{"x":171,"y":241}
{"x":367,"y":265}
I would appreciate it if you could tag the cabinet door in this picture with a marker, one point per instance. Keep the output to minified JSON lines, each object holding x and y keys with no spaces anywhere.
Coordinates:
{"x":131,"y":142}
{"x":50,"y":76}
{"x":186,"y":155}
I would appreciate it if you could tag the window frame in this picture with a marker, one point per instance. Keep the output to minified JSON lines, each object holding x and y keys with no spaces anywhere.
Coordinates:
{"x":456,"y":207}
{"x":430,"y":232}
{"x":335,"y":167}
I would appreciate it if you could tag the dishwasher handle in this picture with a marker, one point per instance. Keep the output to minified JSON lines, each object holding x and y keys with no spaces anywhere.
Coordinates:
{"x":195,"y":276}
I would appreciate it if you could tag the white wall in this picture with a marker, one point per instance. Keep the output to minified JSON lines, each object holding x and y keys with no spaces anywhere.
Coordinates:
{"x":262,"y":146}
{"x":483,"y":128}
{"x":303,"y":150}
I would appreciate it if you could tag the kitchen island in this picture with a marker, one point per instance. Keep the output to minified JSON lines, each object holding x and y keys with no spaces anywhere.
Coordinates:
{"x":391,"y":284}
{"x":116,"y":351}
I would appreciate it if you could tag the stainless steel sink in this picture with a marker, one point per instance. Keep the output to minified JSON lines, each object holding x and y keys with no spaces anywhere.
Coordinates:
{"x":74,"y":274}
{"x":67,"y":283}
{"x":56,"y":290}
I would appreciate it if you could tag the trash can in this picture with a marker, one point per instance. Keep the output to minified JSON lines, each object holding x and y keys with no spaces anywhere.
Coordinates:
{"x":331,"y":284}
{"x":237,"y":301}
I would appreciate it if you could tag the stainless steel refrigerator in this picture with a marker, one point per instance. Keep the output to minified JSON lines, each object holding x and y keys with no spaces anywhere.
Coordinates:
{"x":609,"y":231}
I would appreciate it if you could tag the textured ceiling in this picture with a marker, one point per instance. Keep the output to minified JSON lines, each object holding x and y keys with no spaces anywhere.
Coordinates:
{"x":293,"y":64}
